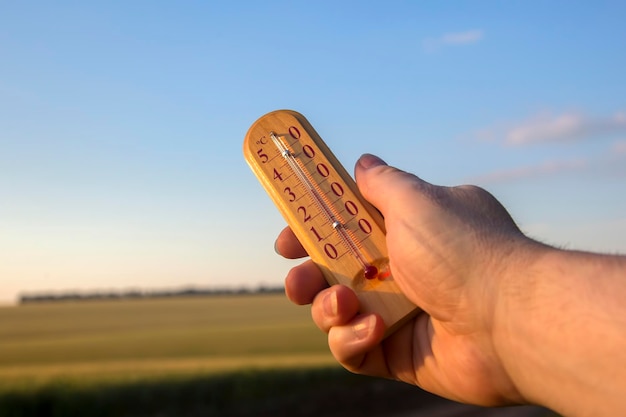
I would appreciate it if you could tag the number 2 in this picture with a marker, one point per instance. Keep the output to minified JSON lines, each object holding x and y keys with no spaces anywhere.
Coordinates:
{"x":305,"y":217}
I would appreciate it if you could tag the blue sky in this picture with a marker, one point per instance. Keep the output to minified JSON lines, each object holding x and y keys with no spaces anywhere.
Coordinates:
{"x":121,"y":124}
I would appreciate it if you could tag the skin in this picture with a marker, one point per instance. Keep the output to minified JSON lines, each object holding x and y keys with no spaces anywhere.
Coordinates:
{"x":505,"y":320}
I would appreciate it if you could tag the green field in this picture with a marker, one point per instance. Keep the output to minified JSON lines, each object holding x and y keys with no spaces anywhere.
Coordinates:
{"x":99,"y":341}
{"x":186,"y":356}
{"x":238,"y":356}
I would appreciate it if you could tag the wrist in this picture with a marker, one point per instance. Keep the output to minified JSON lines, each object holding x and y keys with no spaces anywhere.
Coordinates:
{"x":559,"y":328}
{"x":516,"y":281}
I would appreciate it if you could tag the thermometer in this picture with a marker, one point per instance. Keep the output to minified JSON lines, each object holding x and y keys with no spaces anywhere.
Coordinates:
{"x":342,"y":233}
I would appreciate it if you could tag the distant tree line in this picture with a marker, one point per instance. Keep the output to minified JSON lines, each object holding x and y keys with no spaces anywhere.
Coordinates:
{"x":137,"y":294}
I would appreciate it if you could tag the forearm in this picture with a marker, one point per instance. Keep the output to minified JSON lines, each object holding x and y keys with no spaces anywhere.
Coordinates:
{"x":561,"y":332}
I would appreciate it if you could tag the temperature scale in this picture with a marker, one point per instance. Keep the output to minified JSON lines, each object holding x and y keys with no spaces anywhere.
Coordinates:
{"x":342,"y":233}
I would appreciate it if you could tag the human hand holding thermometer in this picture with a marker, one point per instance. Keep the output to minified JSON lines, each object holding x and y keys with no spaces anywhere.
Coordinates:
{"x":342,"y":233}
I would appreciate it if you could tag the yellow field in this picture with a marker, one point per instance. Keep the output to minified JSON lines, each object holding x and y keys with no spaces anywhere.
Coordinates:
{"x":244,"y":356}
{"x":99,"y":341}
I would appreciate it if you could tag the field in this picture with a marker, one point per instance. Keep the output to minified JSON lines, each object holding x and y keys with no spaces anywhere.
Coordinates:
{"x":239,"y":356}
{"x":128,"y":339}
{"x":248,"y":355}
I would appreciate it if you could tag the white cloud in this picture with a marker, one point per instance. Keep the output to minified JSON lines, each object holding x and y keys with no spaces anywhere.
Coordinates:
{"x":462,"y":38}
{"x":453,"y":39}
{"x":609,"y":164}
{"x":619,"y":147}
{"x":565,"y":127}
{"x":532,"y":171}
{"x":562,"y":127}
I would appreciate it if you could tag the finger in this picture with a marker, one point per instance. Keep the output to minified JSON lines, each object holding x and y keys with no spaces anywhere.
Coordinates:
{"x":387,"y":187}
{"x":357,"y":345}
{"x":334,"y":306}
{"x":288,"y":245}
{"x":304,"y":282}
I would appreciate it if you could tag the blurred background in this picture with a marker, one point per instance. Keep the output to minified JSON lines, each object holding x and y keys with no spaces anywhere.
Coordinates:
{"x":121,"y":170}
{"x":121,"y":124}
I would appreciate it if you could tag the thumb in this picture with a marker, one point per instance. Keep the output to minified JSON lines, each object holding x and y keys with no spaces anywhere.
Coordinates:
{"x":387,"y":187}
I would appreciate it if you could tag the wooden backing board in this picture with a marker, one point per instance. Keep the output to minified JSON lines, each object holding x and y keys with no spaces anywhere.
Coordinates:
{"x":364,"y":224}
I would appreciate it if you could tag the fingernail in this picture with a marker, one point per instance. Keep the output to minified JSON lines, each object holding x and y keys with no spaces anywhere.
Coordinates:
{"x":364,"y":327}
{"x":276,"y":247}
{"x":368,"y":161}
{"x":330,"y":304}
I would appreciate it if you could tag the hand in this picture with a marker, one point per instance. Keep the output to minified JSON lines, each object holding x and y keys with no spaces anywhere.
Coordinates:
{"x":450,"y":251}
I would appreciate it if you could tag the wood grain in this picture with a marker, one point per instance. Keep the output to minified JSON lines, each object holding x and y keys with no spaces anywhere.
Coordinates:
{"x":362,"y":225}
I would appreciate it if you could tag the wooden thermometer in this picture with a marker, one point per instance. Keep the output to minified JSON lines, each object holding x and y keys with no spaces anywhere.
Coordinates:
{"x":342,"y":233}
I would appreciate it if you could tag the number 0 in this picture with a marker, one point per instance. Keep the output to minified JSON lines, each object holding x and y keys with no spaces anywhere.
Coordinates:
{"x":308,"y":151}
{"x":294,"y":132}
{"x":331,"y":251}
{"x":365,"y":226}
